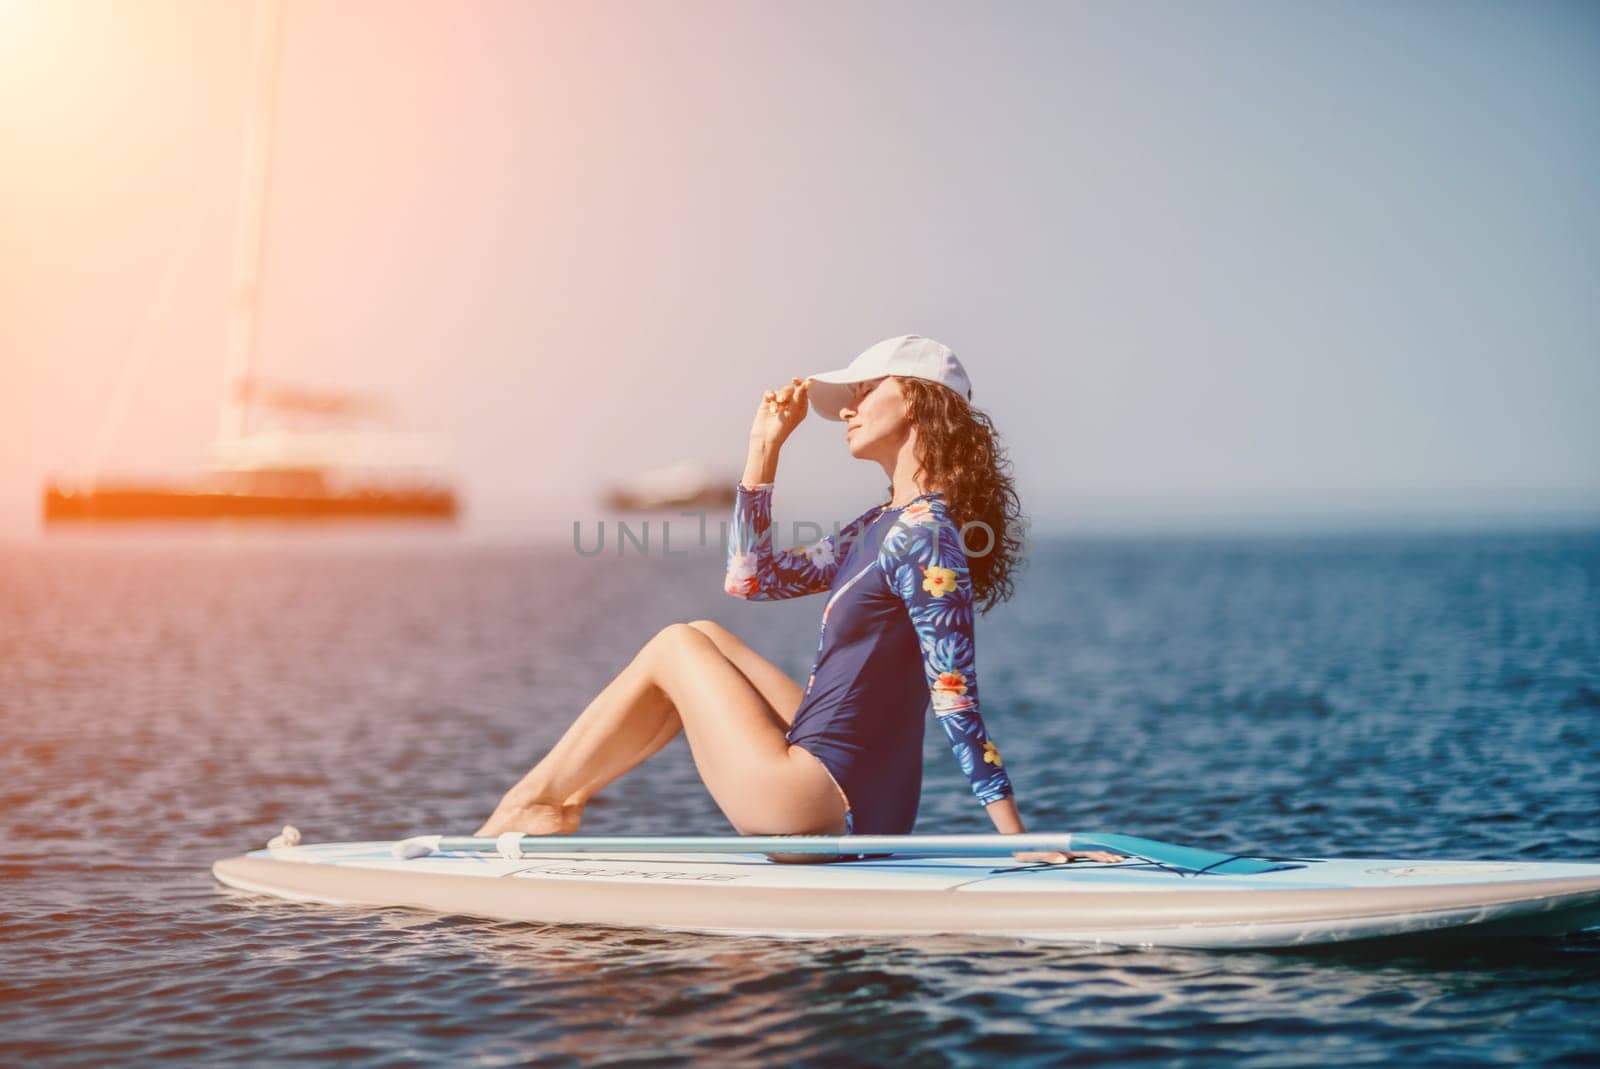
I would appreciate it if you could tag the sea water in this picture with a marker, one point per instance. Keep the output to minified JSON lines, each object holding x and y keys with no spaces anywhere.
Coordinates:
{"x":164,"y":703}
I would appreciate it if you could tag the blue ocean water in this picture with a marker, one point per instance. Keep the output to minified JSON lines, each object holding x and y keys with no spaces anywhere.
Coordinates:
{"x":163,"y":704}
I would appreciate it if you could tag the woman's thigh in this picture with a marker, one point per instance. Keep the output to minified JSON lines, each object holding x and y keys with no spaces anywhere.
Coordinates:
{"x":782,"y":693}
{"x":761,"y":784}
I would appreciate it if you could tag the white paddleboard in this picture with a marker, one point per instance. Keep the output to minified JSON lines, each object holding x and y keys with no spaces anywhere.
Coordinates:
{"x":1133,"y":903}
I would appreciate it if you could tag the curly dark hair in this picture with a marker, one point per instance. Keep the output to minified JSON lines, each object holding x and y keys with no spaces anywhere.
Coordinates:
{"x":961,"y":455}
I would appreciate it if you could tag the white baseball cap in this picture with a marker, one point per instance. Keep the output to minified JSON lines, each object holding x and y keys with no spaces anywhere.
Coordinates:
{"x":907,"y":355}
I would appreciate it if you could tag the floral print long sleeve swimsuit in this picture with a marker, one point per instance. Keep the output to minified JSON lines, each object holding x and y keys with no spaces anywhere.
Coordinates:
{"x":897,"y":629}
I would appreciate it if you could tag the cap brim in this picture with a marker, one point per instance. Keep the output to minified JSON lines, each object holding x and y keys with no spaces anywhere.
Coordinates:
{"x":830,"y":390}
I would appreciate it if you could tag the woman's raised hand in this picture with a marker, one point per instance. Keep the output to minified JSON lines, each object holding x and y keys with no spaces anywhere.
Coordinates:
{"x":780,"y":412}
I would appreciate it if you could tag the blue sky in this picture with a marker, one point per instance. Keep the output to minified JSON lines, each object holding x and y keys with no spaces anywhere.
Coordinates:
{"x":1228,"y":264}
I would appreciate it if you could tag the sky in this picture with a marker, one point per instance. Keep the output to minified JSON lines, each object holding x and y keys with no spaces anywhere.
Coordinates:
{"x":1221,"y":264}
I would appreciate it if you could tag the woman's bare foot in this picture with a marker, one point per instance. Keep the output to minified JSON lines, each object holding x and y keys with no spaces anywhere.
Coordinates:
{"x":534,"y":818}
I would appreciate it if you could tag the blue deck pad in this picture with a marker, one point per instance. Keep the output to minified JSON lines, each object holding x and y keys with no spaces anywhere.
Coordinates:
{"x":1187,"y":860}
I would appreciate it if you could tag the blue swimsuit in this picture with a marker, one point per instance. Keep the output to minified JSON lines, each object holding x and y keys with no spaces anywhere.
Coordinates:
{"x":897,"y":628}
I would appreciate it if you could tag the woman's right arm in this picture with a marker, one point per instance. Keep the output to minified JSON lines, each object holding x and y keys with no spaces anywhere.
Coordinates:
{"x":755,"y":572}
{"x":758,"y":573}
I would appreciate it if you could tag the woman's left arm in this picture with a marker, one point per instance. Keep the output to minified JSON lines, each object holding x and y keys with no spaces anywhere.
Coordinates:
{"x":927,"y":566}
{"x":1008,"y":822}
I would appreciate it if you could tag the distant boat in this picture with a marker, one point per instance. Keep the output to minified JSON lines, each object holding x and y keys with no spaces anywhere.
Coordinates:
{"x":307,"y":498}
{"x":684,"y":485}
{"x":282,"y":452}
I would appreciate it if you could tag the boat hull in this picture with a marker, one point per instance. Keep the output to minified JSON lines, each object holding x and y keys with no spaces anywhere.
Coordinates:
{"x":167,"y":505}
{"x":1317,"y":902}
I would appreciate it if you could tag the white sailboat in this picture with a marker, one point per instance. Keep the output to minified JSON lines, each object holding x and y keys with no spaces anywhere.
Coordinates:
{"x":281,"y":452}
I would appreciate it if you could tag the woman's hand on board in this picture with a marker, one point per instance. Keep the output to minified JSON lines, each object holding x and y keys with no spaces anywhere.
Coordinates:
{"x":780,"y":412}
{"x":1062,"y":857}
{"x":1003,"y":812}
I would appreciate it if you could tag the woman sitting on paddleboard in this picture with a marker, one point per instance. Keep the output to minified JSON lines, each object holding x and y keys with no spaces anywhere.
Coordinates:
{"x":843,"y":755}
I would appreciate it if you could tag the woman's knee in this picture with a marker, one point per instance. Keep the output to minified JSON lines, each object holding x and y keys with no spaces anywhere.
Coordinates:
{"x":712,"y":630}
{"x":695,"y":633}
{"x":673,"y":643}
{"x":673,"y":635}
{"x":731,"y":645}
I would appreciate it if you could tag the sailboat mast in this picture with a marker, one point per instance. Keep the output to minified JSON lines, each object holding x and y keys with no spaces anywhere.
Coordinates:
{"x":239,"y":353}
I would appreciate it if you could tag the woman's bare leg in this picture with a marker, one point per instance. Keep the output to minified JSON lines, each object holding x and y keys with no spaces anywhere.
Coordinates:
{"x":782,"y":693}
{"x":684,"y":677}
{"x":625,"y":723}
{"x":529,"y":803}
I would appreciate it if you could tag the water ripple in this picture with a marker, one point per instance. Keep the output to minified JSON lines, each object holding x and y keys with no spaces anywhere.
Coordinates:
{"x":1403,"y":696}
